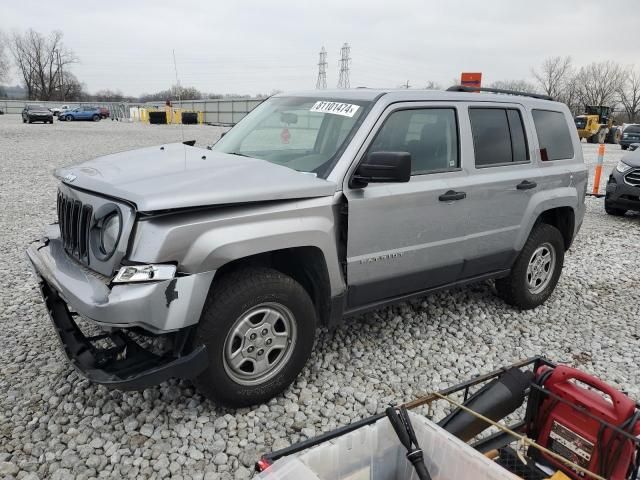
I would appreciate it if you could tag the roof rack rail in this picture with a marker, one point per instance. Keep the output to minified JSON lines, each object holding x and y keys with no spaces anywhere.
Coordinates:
{"x":462,"y":88}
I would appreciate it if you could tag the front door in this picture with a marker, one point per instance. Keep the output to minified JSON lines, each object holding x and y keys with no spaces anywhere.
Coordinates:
{"x":407,"y":237}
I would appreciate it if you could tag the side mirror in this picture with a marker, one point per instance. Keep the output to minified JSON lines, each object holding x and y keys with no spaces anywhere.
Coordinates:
{"x":383,"y":167}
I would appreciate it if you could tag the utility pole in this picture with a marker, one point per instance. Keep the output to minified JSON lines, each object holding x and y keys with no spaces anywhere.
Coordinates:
{"x":345,"y":60}
{"x":60,"y":79}
{"x":321,"y":83}
{"x":406,"y":85}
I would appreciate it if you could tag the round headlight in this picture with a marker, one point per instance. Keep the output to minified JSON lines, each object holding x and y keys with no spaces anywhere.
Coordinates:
{"x":110,"y":233}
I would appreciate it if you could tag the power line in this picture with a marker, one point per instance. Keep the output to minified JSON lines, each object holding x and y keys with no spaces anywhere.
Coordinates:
{"x":321,"y":83}
{"x":345,"y":60}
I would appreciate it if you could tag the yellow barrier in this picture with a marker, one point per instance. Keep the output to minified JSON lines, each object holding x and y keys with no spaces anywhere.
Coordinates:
{"x":174,"y":115}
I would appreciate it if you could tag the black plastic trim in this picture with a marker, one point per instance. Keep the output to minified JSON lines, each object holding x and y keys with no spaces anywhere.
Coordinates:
{"x":126,"y":366}
{"x":462,"y":88}
{"x":357,"y":309}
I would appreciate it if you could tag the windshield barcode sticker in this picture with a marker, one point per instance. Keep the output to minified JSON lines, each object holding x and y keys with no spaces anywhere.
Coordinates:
{"x":344,"y":109}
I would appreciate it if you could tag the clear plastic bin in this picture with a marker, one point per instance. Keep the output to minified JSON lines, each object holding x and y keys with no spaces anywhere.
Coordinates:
{"x":373,"y":452}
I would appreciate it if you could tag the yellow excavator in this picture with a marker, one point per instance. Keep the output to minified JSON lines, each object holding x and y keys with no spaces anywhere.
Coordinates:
{"x":596,"y":125}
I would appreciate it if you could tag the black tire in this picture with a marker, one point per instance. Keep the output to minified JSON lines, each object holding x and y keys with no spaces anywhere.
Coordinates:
{"x":229,"y":301}
{"x":68,"y":118}
{"x":614,"y":136}
{"x":24,"y":120}
{"x":30,"y":121}
{"x":515,"y":289}
{"x":96,"y":118}
{"x":624,"y":147}
{"x":616,"y":212}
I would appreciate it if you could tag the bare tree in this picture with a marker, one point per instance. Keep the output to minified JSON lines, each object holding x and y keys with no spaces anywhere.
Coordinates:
{"x":43,"y":63}
{"x":108,"y":96}
{"x":554,"y":76}
{"x":176,"y":92}
{"x":630,"y":94}
{"x":4,"y":60}
{"x":517,"y":85}
{"x":431,"y":85}
{"x":600,"y":83}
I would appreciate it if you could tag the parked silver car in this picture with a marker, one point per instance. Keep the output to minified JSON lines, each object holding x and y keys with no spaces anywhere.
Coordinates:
{"x":316,"y":206}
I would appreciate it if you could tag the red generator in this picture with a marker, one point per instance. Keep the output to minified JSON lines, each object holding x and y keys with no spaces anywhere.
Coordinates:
{"x":584,"y":420}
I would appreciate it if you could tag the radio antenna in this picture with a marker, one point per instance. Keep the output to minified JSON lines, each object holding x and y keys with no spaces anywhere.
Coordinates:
{"x":179,"y":89}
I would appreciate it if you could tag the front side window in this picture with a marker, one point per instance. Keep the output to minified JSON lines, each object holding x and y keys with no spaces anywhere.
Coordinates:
{"x":554,"y":136}
{"x":498,"y":136}
{"x":305,"y":134}
{"x":430,"y":135}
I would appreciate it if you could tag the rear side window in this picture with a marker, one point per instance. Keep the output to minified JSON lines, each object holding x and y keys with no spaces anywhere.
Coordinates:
{"x":498,"y":136}
{"x":554,"y":136}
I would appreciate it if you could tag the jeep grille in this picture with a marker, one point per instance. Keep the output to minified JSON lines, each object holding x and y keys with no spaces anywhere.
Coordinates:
{"x":74,"y":219}
{"x":633,"y":178}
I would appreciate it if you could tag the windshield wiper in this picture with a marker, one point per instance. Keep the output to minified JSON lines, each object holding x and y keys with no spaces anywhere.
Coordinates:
{"x":239,"y":154}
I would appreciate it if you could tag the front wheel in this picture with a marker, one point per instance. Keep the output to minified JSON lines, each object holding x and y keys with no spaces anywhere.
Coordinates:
{"x":536,"y":271}
{"x":96,"y":118}
{"x":616,"y":212}
{"x":624,"y":147}
{"x":259,"y":327}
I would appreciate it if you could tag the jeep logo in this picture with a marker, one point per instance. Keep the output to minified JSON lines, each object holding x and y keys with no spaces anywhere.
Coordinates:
{"x":69,"y":177}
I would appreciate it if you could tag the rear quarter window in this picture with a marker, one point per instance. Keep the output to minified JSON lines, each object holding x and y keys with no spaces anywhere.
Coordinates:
{"x":554,"y":136}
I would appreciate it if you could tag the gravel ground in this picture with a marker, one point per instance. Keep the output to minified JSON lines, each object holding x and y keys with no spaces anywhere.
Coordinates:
{"x":54,"y":424}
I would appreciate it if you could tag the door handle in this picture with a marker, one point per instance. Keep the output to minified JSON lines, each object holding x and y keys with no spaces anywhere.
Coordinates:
{"x":452,"y":195}
{"x":526,"y":185}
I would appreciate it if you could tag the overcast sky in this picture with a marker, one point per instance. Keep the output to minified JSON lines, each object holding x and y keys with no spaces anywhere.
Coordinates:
{"x":258,"y":46}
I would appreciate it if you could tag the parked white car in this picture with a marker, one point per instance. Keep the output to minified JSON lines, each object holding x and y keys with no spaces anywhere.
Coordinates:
{"x":58,"y":110}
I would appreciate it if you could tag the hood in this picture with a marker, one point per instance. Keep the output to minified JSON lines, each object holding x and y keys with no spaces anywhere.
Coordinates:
{"x":180,"y":176}
{"x":632,"y":158}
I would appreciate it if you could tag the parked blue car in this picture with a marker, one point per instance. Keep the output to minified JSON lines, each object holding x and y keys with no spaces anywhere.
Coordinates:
{"x":81,"y":113}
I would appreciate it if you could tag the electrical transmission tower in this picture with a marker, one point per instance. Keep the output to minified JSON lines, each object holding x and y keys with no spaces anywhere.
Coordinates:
{"x":322,"y":70}
{"x":345,"y":60}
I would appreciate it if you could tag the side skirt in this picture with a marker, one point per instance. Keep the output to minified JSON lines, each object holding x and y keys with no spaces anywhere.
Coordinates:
{"x":401,"y":298}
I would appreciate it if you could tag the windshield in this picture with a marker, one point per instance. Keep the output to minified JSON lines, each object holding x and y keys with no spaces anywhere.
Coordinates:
{"x":581,"y":122}
{"x":632,"y":129}
{"x":305,"y":134}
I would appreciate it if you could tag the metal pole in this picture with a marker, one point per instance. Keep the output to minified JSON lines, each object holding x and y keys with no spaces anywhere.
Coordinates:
{"x":596,"y":179}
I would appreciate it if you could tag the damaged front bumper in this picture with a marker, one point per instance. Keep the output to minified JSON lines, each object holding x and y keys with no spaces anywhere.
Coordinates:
{"x":170,"y":308}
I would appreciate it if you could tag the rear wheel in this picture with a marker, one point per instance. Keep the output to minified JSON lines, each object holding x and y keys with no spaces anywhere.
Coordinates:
{"x":536,"y":271}
{"x":259,"y":327}
{"x":614,"y":136}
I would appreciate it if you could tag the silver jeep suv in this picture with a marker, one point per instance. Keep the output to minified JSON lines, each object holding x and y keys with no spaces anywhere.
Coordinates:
{"x":218,"y":264}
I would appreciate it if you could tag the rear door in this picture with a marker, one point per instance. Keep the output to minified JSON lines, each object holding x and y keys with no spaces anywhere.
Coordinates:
{"x":505,"y":176}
